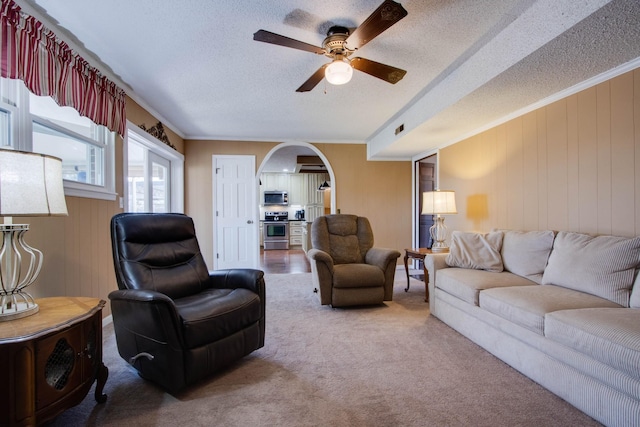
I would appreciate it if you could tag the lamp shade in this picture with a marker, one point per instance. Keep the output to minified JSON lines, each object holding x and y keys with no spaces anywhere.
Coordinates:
{"x":31,"y":184}
{"x":338,"y":72}
{"x":439,"y":202}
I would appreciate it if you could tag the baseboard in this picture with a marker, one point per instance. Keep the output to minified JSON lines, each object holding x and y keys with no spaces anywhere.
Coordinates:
{"x":107,"y":320}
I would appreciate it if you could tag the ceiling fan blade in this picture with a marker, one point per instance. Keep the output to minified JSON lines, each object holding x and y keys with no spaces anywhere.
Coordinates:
{"x":387,"y":14}
{"x":313,"y":80}
{"x":273,"y":38}
{"x":385,"y":72}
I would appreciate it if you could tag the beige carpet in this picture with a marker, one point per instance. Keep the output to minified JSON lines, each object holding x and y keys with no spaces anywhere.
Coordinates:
{"x":390,"y":365}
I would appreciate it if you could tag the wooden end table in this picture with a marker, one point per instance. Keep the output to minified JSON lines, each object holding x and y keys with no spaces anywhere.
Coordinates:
{"x":51,"y":359}
{"x":418,"y":253}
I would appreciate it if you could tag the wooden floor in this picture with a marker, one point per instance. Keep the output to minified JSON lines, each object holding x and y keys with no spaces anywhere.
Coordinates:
{"x":284,"y":261}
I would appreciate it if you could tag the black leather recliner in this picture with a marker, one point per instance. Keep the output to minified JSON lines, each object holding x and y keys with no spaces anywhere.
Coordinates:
{"x":175,"y":321}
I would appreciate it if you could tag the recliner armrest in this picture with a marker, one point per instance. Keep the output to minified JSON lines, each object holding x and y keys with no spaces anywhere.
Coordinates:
{"x":139,"y":295}
{"x":385,"y":260}
{"x":318,"y":255}
{"x":148,"y":314}
{"x":381,"y":257}
{"x":322,"y":273}
{"x":235,"y":278}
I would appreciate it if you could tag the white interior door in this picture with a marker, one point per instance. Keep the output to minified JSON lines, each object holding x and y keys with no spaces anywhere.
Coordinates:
{"x":235,"y":212}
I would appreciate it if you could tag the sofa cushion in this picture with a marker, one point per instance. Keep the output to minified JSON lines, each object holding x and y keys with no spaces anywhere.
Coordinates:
{"x":601,"y":265}
{"x":466,"y":284}
{"x":527,"y":305}
{"x":611,"y":336}
{"x":475,"y":250}
{"x":526,"y":253}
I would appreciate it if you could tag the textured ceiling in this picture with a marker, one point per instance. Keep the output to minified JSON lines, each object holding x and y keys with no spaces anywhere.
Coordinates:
{"x":469,"y":63}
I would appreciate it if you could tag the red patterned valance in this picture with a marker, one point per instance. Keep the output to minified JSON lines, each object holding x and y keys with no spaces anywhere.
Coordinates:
{"x":48,"y":66}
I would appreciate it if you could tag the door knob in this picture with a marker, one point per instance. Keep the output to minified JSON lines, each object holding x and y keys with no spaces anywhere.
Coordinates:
{"x":249,"y":222}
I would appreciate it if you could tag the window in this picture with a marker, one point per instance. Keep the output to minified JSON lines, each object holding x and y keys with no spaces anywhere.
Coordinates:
{"x":154,"y":174}
{"x":37,"y":123}
{"x":149,"y":180}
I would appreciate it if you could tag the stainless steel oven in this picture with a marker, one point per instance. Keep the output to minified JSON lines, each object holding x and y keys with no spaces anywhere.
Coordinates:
{"x":276,"y":230}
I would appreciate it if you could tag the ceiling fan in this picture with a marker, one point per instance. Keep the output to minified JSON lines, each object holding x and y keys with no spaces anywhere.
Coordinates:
{"x":340,"y":44}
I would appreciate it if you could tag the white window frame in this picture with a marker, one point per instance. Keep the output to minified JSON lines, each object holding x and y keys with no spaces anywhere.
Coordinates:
{"x":154,"y":158}
{"x":21,"y":136}
{"x":154,"y":145}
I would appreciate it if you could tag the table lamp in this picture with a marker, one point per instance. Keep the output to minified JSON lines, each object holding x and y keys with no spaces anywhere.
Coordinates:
{"x":30,"y":185}
{"x":439,"y":203}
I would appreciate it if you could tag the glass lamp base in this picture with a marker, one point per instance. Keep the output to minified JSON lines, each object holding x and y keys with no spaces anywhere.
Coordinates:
{"x":439,"y":234}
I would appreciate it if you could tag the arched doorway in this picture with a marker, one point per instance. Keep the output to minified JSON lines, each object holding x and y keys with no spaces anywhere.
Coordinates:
{"x":273,"y":154}
{"x":299,"y":168}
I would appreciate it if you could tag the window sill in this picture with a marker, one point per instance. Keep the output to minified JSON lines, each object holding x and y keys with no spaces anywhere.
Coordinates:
{"x":88,"y":191}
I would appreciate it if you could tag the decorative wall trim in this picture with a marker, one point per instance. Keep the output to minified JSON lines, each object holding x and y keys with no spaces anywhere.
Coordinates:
{"x":157,"y":131}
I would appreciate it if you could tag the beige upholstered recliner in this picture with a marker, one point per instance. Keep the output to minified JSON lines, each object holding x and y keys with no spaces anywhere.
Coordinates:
{"x":346,"y":268}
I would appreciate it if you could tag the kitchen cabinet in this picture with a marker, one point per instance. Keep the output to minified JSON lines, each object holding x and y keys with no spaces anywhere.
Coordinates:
{"x":295,"y":233}
{"x":311,"y":212}
{"x":297,"y":189}
{"x":275,"y":181}
{"x":314,"y":197}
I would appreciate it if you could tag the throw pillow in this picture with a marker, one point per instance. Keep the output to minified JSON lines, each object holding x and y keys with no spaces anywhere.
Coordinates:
{"x":476,"y":251}
{"x":602,"y":265}
{"x":525,"y":253}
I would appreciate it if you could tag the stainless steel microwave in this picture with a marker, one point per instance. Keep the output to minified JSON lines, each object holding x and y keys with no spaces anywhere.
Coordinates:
{"x":278,"y":198}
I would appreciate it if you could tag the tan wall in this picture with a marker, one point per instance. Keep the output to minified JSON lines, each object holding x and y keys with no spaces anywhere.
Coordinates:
{"x":77,"y":248}
{"x":379,"y":190}
{"x":573,"y":165}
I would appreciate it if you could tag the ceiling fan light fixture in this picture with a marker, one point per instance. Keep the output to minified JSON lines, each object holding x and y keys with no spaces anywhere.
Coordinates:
{"x":338,"y":72}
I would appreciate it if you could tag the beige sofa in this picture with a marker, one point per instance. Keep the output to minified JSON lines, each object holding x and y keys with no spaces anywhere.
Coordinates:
{"x":561,"y":308}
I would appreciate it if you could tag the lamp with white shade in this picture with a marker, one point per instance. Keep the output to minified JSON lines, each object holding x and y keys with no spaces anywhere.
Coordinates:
{"x":439,"y":202}
{"x":30,"y":185}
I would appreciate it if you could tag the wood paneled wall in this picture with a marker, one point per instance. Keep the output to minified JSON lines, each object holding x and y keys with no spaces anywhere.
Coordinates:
{"x":77,"y":250}
{"x":573,"y":165}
